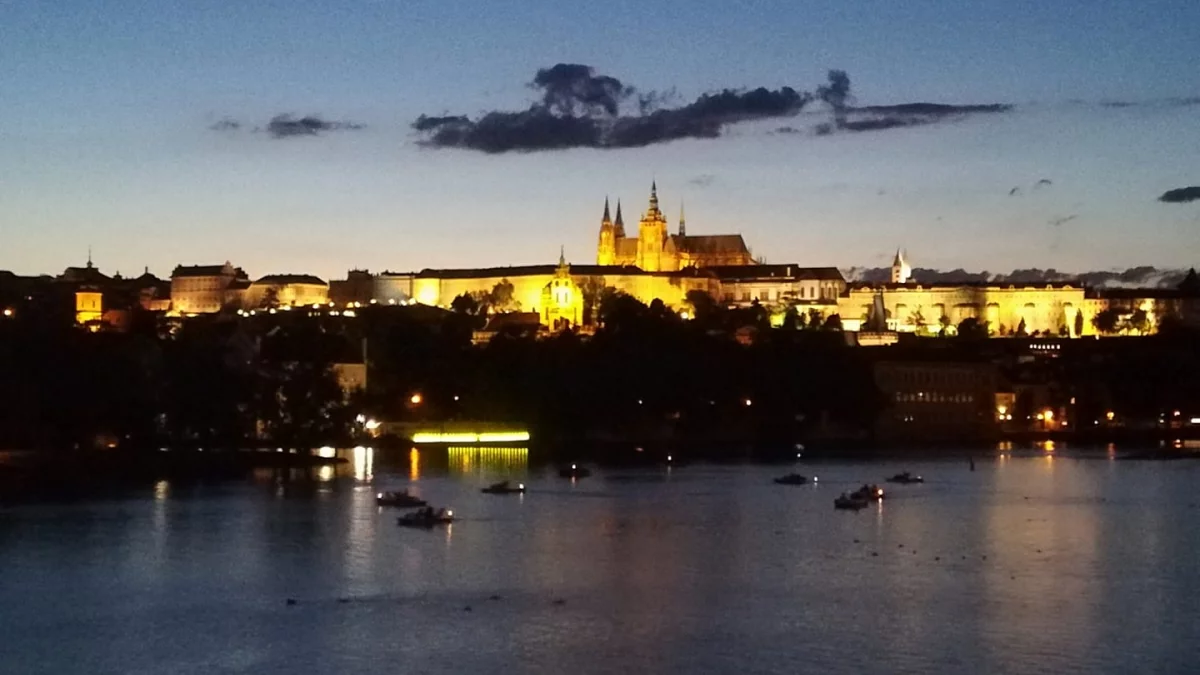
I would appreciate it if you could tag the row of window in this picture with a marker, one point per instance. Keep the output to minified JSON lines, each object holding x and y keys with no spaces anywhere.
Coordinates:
{"x":933,"y":397}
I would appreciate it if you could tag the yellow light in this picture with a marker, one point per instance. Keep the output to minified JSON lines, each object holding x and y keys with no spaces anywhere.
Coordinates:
{"x":1109,"y":415}
{"x":1040,"y":416}
{"x":349,"y":313}
{"x":503,"y":437}
{"x":1001,"y":409}
{"x":748,"y":402}
{"x":416,"y":399}
{"x":1049,"y":415}
{"x":435,"y":437}
{"x":8,"y":312}
{"x":327,"y":452}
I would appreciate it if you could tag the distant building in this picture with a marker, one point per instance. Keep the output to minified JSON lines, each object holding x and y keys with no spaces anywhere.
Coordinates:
{"x":936,"y":400}
{"x":199,"y":289}
{"x":276,"y":290}
{"x":357,"y":287}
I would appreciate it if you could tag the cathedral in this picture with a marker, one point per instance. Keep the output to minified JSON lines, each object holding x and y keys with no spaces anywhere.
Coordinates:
{"x":654,"y":249}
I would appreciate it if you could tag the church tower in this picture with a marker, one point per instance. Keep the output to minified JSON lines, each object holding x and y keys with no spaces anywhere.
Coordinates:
{"x":901,"y":271}
{"x":606,"y":253}
{"x":619,"y":223}
{"x":652,"y":235}
{"x":682,"y":222}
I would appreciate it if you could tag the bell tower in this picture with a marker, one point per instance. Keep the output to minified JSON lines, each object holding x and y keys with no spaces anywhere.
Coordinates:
{"x":606,"y":252}
{"x":652,"y":235}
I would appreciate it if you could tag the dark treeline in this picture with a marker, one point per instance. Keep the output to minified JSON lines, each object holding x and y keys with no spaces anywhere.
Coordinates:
{"x":228,"y":381}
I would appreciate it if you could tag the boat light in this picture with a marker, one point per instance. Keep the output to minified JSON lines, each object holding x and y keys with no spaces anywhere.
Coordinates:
{"x":572,"y":467}
{"x":521,"y":486}
{"x":668,"y":458}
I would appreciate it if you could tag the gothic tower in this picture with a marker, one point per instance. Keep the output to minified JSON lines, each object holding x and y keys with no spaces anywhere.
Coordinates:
{"x":901,"y":271}
{"x":606,"y":253}
{"x":682,"y":222}
{"x":652,"y":235}
{"x":619,"y":223}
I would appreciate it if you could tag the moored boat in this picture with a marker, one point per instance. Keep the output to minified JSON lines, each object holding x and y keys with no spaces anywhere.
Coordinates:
{"x":870,"y":493}
{"x":905,"y":478}
{"x":504,"y":488}
{"x":426,"y":518}
{"x":851,"y":502}
{"x":399,"y":499}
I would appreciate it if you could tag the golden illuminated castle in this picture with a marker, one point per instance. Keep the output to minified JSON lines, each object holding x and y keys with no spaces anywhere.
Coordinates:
{"x":655,"y":250}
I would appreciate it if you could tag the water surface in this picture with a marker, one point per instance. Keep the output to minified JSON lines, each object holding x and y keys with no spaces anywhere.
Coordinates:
{"x":1032,"y":563}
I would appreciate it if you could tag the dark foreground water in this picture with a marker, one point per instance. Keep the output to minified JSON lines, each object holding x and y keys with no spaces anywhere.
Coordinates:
{"x":1029,"y":564}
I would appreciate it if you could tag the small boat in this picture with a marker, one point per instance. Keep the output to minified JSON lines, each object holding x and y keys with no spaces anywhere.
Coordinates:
{"x":870,"y":493}
{"x":851,"y":502}
{"x":401,"y":500}
{"x":792,"y":479}
{"x":504,"y":488}
{"x":905,"y":478}
{"x":574,"y":471}
{"x":426,"y":518}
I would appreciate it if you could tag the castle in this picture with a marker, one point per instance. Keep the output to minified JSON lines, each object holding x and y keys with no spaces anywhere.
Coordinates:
{"x":655,"y":250}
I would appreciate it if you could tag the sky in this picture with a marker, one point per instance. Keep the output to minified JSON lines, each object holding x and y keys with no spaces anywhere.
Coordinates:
{"x":115,"y":132}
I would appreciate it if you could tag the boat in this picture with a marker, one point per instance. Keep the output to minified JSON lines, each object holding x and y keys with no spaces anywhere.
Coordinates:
{"x":504,"y":488}
{"x":792,"y":479}
{"x":869,"y":493}
{"x":850,"y":502}
{"x":905,"y":478}
{"x":401,"y":500}
{"x":426,"y":518}
{"x":574,"y":471}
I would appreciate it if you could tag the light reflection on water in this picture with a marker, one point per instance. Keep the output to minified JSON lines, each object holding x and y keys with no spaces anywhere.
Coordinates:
{"x":1034,"y":562}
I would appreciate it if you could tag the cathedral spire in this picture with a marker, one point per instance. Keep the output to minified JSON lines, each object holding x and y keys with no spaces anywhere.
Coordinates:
{"x":562,"y":256}
{"x":619,"y":223}
{"x":682,"y":221}
{"x":606,"y":218}
{"x":653,"y":195}
{"x":89,"y":263}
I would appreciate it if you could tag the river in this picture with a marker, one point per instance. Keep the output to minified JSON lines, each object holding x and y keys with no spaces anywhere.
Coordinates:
{"x":1036,"y":562}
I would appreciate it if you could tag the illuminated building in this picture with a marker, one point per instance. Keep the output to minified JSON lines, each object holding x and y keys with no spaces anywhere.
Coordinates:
{"x":197,"y":289}
{"x":89,"y":306}
{"x":284,"y":290}
{"x":656,"y":250}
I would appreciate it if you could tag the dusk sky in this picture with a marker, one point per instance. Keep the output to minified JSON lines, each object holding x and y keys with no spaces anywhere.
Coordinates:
{"x":108,"y":109}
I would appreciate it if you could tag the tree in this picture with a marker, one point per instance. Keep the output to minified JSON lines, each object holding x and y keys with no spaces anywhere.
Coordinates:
{"x":944,"y":322}
{"x":791,"y":319}
{"x":501,"y":297}
{"x":832,"y":323}
{"x":1105,"y":321}
{"x":1138,"y":322}
{"x":971,"y":328}
{"x":1078,"y":323}
{"x":591,"y":288}
{"x":1021,"y":329}
{"x":917,"y":320}
{"x":465,"y":304}
{"x":815,"y":319}
{"x":270,"y":299}
{"x":704,"y":306}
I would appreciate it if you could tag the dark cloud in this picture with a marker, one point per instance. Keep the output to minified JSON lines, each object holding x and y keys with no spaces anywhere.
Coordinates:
{"x":571,"y":88}
{"x":1045,"y":182}
{"x":225,"y":124}
{"x":287,"y":126}
{"x":1062,"y":220}
{"x":1180,"y":195}
{"x":579,"y":108}
{"x":1014,"y":192}
{"x":1134,"y":277}
{"x":703,"y":180}
{"x":881,"y":117}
